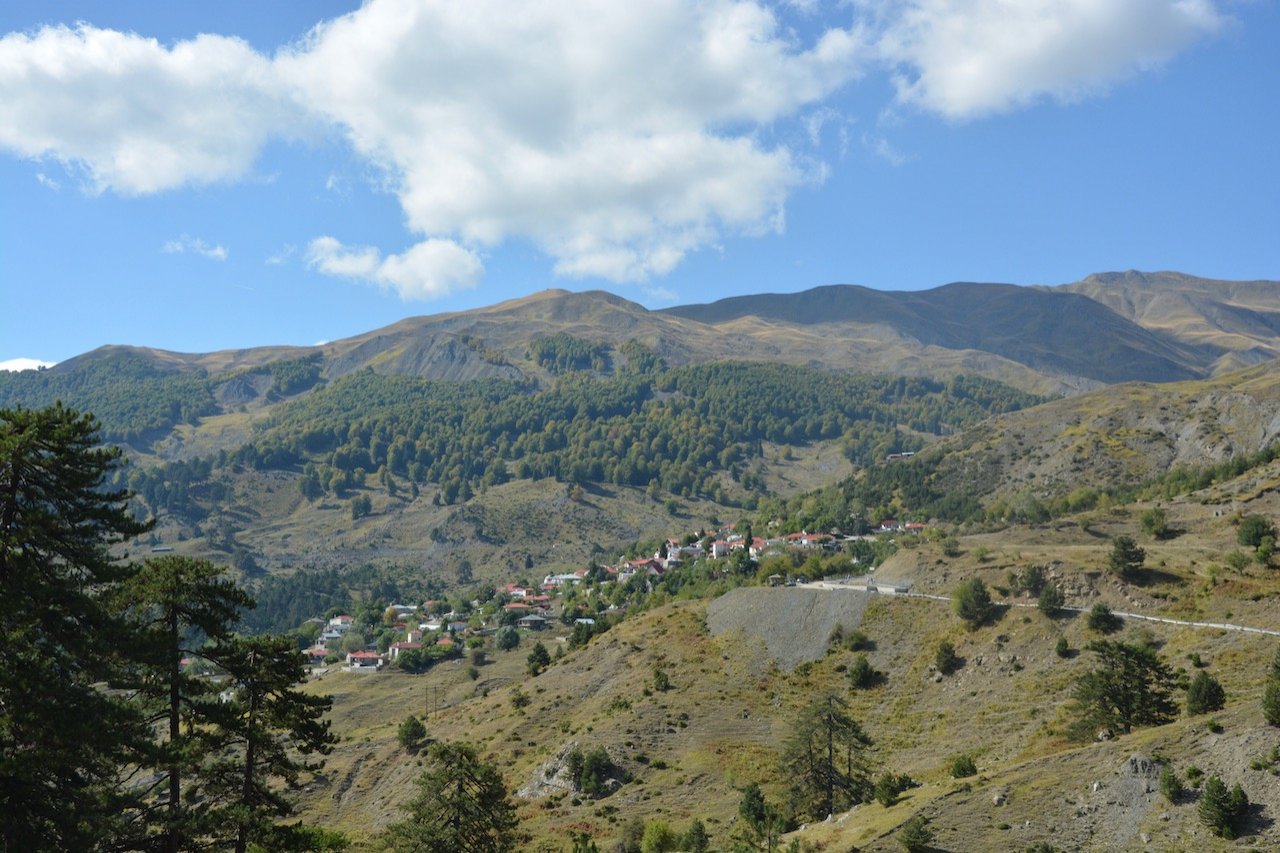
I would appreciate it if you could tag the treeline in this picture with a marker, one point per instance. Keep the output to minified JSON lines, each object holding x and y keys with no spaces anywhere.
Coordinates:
{"x":674,"y":431}
{"x":129,"y":395}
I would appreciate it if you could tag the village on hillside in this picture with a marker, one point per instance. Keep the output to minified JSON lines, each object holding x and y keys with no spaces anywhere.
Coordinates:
{"x":414,"y":636}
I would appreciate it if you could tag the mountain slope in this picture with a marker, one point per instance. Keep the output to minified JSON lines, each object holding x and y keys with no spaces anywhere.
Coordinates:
{"x":1059,"y":330}
{"x":1111,"y":327}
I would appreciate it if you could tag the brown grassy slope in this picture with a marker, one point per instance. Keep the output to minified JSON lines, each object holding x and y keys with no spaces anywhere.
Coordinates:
{"x":1241,"y":317}
{"x":1115,"y":436}
{"x":730,"y":710}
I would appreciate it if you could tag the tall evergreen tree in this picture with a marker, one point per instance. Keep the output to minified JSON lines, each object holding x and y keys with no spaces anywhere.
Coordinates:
{"x":177,"y":605}
{"x":824,"y":758}
{"x":62,"y":739}
{"x":267,"y":730}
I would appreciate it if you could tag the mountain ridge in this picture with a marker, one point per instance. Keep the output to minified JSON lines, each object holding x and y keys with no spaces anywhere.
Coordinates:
{"x":1104,"y":329}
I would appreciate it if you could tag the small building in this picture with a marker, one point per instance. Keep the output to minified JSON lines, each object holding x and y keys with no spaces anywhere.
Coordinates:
{"x":394,"y":650}
{"x":533,"y":622}
{"x":364,"y":660}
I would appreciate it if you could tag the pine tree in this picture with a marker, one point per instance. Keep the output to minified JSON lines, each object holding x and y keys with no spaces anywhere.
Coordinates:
{"x":972,"y":603}
{"x":1130,"y":687}
{"x":1221,"y":810}
{"x":539,"y":659}
{"x":824,"y":759}
{"x":176,"y":604}
{"x":61,"y":739}
{"x":1271,"y":693}
{"x":1205,"y":694}
{"x":462,"y":805}
{"x":266,"y":730}
{"x":916,"y":836}
{"x":1126,"y":557}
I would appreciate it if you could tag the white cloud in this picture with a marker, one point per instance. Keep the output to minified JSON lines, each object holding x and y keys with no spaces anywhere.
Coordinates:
{"x":195,"y":245}
{"x":46,"y":181}
{"x":966,"y":58}
{"x":16,"y":364}
{"x":133,"y":115}
{"x":429,"y":269}
{"x":617,"y":137}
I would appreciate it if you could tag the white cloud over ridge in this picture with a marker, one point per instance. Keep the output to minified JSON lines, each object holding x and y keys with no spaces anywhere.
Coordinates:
{"x":429,"y":269}
{"x":617,"y":137}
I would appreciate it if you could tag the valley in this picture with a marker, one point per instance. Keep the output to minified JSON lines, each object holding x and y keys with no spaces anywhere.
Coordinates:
{"x":796,"y":450}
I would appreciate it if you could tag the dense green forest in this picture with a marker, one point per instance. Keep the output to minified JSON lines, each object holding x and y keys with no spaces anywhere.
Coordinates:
{"x":673,"y":431}
{"x":129,"y":395}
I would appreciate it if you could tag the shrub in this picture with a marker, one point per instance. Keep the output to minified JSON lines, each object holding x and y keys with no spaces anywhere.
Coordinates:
{"x":1171,"y":784}
{"x":1238,"y":560}
{"x":915,"y":836}
{"x":1205,"y":694}
{"x":889,"y":786}
{"x":659,"y":837}
{"x":863,"y":675}
{"x":1155,"y":523}
{"x":946,"y":659}
{"x":1063,"y":648}
{"x":1102,"y":620}
{"x":962,"y":766}
{"x":411,"y":734}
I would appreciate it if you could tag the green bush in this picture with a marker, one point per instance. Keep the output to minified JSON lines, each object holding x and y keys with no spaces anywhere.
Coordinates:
{"x":1171,"y":784}
{"x":962,"y":766}
{"x":1063,"y":648}
{"x":915,"y":836}
{"x":1102,"y":620}
{"x":946,"y":659}
{"x":862,"y":675}
{"x":1253,"y":529}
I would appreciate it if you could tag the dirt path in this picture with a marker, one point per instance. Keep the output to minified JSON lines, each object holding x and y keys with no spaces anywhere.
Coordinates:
{"x":1221,"y":626}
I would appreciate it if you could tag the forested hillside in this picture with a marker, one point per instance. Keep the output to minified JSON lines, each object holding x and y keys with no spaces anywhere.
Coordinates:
{"x":674,"y":431}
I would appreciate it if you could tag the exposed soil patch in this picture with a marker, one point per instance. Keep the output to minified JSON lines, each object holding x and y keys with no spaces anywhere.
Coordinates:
{"x":795,"y":624}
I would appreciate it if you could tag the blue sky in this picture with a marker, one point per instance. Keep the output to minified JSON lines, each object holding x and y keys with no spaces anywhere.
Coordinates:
{"x":205,"y":176}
